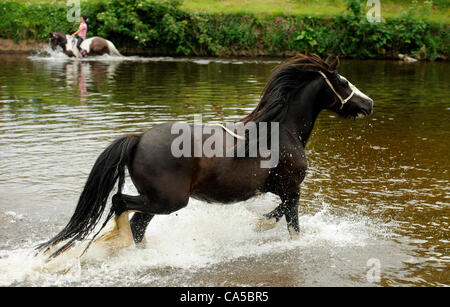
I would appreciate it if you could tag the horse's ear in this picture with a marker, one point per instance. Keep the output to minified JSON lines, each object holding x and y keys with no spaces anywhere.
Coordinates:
{"x":333,"y":62}
{"x":50,"y":35}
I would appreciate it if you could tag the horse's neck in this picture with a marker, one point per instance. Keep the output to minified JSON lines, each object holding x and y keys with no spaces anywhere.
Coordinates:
{"x":68,"y":42}
{"x":302,"y":113}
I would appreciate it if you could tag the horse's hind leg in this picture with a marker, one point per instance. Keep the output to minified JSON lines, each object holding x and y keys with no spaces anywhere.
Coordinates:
{"x":121,"y":234}
{"x":140,"y":219}
{"x":139,"y":223}
{"x":144,"y":209}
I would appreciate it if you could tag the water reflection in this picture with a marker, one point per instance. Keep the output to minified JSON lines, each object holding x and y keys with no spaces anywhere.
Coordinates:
{"x":87,"y":73}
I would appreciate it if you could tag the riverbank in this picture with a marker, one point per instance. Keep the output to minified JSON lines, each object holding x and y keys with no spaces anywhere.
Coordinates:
{"x":174,"y":28}
{"x":21,"y":47}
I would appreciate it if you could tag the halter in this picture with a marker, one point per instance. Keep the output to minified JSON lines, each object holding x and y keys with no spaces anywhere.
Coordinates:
{"x":231,"y":132}
{"x":343,"y":101}
{"x":62,"y":43}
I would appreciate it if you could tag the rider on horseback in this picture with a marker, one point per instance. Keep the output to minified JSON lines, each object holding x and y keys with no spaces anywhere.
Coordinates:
{"x":81,"y":34}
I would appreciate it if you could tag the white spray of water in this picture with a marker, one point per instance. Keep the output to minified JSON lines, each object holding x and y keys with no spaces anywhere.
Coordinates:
{"x":45,"y":53}
{"x":198,"y":236}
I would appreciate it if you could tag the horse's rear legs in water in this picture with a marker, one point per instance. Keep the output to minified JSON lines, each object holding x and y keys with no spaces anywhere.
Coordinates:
{"x":124,"y":232}
{"x":139,"y":223}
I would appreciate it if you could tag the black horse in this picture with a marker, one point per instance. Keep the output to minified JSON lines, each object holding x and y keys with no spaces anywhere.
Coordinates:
{"x":297,"y":91}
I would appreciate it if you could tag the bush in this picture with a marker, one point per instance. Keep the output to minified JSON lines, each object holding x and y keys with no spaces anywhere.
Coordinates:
{"x":162,"y":27}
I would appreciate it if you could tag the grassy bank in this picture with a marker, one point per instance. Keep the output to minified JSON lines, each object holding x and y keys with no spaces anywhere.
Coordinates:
{"x":245,"y":28}
{"x":439,"y":10}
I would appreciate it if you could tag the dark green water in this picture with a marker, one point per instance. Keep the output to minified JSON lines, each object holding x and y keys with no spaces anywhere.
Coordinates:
{"x":377,"y":190}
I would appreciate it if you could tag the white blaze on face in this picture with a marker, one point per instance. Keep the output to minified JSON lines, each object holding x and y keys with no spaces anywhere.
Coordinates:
{"x":355,"y":89}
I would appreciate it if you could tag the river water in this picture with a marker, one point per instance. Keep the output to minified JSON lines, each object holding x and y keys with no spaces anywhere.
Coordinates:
{"x":375,"y":204}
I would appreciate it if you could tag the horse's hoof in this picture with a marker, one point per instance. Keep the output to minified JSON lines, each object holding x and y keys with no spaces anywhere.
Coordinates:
{"x":294,"y":234}
{"x":264,"y":223}
{"x":142,"y":244}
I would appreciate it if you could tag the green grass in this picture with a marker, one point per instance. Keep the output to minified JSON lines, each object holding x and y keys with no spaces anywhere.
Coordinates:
{"x":439,"y":13}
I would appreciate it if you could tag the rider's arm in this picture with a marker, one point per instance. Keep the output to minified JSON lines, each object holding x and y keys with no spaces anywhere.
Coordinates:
{"x":78,"y":31}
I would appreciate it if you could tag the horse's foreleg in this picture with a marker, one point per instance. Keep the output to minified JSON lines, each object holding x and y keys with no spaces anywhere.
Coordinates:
{"x":270,"y":220}
{"x":291,"y":215}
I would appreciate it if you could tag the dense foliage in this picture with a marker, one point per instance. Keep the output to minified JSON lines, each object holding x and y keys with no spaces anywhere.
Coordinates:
{"x":162,"y":27}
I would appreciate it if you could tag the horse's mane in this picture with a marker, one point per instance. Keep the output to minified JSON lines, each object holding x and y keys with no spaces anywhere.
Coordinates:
{"x":287,"y":79}
{"x":60,"y":34}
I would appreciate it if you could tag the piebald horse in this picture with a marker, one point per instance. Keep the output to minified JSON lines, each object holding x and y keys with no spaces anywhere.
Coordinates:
{"x":296,"y":92}
{"x":93,"y":46}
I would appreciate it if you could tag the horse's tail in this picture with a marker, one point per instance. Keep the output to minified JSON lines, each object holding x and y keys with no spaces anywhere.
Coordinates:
{"x":109,"y":167}
{"x":112,"y":49}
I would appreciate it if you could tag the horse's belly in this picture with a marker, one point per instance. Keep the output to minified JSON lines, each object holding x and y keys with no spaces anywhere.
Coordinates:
{"x":224,"y":196}
{"x":95,"y":45}
{"x":228,"y":187}
{"x":86,"y":44}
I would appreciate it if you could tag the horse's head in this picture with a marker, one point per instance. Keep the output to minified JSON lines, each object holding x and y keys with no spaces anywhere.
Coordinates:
{"x":308,"y":80}
{"x":57,"y":39}
{"x":340,"y":95}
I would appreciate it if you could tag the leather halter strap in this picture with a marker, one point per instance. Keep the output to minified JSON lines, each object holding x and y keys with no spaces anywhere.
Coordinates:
{"x":231,"y":132}
{"x":342,"y":100}
{"x":63,"y":42}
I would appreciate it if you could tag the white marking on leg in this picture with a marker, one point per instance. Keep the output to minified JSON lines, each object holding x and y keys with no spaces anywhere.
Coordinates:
{"x":293,"y":234}
{"x":120,"y":235}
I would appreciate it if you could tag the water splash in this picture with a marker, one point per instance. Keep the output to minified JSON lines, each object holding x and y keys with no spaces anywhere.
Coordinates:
{"x":45,"y":53}
{"x":197,"y":237}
